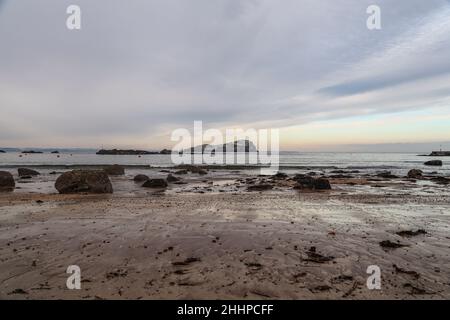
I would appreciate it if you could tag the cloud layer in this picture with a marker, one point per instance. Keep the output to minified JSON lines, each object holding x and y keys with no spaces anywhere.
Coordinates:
{"x":139,"y":69}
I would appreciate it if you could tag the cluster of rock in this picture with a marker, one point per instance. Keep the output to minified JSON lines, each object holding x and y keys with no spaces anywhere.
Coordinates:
{"x":25,"y":172}
{"x":311,"y":183}
{"x":84,"y":181}
{"x":439,"y":154}
{"x":159,"y":182}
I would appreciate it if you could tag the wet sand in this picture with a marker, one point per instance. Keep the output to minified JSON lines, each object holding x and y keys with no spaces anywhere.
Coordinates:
{"x":211,"y":239}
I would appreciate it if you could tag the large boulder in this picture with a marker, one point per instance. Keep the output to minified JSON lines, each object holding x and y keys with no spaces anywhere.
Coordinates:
{"x":6,"y":182}
{"x":433,"y":163}
{"x":308,"y":182}
{"x":155,"y":183}
{"x":84,"y":181}
{"x":141,"y":178}
{"x":114,"y":170}
{"x":415,"y":173}
{"x":27,"y":172}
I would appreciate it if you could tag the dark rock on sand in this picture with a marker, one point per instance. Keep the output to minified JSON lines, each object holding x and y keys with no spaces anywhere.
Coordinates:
{"x":280,"y":175}
{"x":191,"y":168}
{"x":415,"y":173}
{"x":433,"y":163}
{"x":141,"y":178}
{"x":27,"y":172}
{"x":313,"y":256}
{"x":401,"y":270}
{"x":2,"y":151}
{"x":114,"y":170}
{"x":31,"y":151}
{"x":260,"y":187}
{"x":171,"y":178}
{"x":183,"y":171}
{"x":386,"y":175}
{"x":6,"y":182}
{"x":155,"y":183}
{"x":308,"y":182}
{"x":387,"y":244}
{"x":411,"y":233}
{"x":55,"y":152}
{"x":84,"y":181}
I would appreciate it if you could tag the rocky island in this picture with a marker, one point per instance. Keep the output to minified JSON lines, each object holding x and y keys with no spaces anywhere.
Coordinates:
{"x":245,"y":146}
{"x":130,"y":152}
{"x":439,"y":154}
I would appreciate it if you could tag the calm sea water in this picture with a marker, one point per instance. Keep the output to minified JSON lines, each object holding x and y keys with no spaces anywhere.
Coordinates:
{"x":395,"y":162}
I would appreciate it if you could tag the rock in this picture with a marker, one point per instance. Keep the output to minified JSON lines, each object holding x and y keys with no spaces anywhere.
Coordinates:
{"x":280,"y":175}
{"x":171,"y":178}
{"x":84,"y":181}
{"x":2,"y":151}
{"x":386,"y":175}
{"x":415,"y":173}
{"x":141,"y":178}
{"x":155,"y":183}
{"x":26,"y":177}
{"x":440,"y":154}
{"x":260,"y":187}
{"x":308,"y":182}
{"x":165,"y":151}
{"x":114,"y":170}
{"x":27,"y":172}
{"x":411,"y":233}
{"x":31,"y":151}
{"x":433,"y":163}
{"x":183,"y":171}
{"x":192,"y":168}
{"x":6,"y":182}
{"x":55,"y":152}
{"x":338,"y":171}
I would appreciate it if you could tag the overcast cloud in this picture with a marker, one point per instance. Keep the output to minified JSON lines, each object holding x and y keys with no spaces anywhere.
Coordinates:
{"x":139,"y":69}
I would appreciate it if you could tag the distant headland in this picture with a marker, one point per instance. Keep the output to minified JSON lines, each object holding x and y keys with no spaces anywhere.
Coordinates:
{"x":131,"y":152}
{"x":440,"y":154}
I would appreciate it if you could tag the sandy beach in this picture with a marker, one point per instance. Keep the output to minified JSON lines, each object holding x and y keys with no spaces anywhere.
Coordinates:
{"x":211,"y":238}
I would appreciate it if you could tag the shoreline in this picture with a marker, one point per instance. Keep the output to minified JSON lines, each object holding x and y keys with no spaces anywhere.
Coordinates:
{"x":212,"y":238}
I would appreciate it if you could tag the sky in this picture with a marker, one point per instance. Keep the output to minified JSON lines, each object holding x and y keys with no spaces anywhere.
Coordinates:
{"x":139,"y":69}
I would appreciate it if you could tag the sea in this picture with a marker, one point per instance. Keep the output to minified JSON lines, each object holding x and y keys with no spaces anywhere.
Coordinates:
{"x":397,"y":163}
